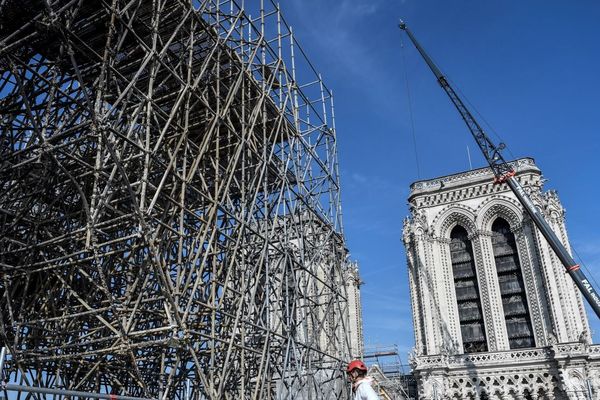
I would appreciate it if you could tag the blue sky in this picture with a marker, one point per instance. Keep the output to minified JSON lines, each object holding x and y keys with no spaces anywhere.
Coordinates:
{"x":531,"y":68}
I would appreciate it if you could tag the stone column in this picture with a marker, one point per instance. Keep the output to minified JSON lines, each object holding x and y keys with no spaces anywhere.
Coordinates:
{"x":490,"y":291}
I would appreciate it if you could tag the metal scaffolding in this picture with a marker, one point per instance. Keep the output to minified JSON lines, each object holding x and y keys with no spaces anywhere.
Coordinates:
{"x":394,"y":381}
{"x":170,"y":221}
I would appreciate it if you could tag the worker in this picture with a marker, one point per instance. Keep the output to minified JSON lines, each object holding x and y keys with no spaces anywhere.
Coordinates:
{"x":361,"y":384}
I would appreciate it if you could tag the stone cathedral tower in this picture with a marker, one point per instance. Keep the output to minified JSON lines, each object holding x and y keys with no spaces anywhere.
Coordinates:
{"x":495,"y":315}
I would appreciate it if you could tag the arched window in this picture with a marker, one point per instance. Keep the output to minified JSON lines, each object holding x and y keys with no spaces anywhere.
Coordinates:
{"x":467,"y":292}
{"x":512,"y":289}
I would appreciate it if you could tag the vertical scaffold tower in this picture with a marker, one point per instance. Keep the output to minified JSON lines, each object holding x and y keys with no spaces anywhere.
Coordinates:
{"x":169,"y":202}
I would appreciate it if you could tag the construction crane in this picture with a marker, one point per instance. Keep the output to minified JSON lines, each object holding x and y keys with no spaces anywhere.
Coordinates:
{"x":504,"y":173}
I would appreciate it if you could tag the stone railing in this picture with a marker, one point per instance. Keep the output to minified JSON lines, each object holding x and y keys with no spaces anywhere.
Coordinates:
{"x":576,"y":348}
{"x":435,"y":183}
{"x":569,"y":348}
{"x":511,"y":356}
{"x":595,"y":349}
{"x":538,"y":354}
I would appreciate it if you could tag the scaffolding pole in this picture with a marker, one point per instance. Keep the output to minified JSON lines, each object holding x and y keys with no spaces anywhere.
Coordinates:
{"x":62,"y":392}
{"x":169,"y":202}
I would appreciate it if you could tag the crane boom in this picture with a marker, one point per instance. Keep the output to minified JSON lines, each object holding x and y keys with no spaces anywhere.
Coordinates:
{"x":503,"y":172}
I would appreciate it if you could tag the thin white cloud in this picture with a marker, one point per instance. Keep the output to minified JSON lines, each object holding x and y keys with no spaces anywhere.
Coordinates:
{"x":396,"y":269}
{"x":359,"y":178}
{"x":591,"y":248}
{"x":333,"y":27}
{"x":373,"y":184}
{"x":587,"y":252}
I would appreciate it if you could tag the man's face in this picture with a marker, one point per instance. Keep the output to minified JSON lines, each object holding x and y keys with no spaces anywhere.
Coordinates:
{"x":353,"y":375}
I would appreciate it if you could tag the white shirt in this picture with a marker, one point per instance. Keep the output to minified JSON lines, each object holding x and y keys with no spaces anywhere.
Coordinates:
{"x":364,"y":391}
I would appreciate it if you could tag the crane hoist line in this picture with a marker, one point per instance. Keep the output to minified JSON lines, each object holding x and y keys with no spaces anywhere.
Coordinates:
{"x":504,"y":173}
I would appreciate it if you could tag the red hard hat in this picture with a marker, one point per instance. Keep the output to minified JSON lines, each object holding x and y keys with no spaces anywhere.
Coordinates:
{"x":356,"y":364}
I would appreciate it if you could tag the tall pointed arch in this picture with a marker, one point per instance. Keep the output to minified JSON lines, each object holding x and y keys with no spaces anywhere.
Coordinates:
{"x":512,"y":287}
{"x":467,"y":292}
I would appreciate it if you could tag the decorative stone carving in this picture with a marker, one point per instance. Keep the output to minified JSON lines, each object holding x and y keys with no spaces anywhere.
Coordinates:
{"x":499,"y":206}
{"x":451,"y":216}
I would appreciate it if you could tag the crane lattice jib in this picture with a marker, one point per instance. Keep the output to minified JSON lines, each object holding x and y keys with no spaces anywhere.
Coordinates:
{"x":503,"y":172}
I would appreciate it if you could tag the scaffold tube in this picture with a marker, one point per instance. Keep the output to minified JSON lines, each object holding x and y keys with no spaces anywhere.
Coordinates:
{"x":64,"y":392}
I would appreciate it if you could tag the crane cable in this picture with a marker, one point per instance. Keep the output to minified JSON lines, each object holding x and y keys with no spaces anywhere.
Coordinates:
{"x":589,"y":272}
{"x":410,"y":109}
{"x":573,"y":249}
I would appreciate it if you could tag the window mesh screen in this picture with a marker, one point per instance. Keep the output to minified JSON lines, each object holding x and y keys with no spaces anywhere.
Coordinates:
{"x":512,"y":289}
{"x":467,"y":292}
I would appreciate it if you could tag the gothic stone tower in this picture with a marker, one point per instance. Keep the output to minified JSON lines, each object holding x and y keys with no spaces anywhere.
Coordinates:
{"x":495,"y":315}
{"x":355,"y":320}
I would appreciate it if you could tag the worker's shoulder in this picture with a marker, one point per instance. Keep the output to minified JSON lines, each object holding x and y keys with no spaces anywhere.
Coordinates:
{"x":364,"y":391}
